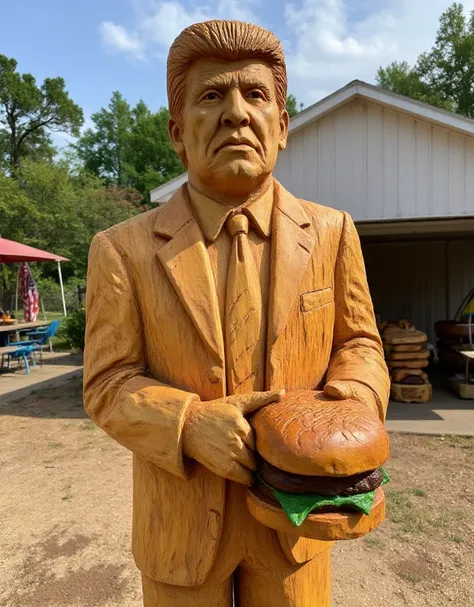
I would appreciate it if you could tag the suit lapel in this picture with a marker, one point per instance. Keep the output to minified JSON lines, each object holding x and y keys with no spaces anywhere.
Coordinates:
{"x":292,"y":246}
{"x":186,"y":262}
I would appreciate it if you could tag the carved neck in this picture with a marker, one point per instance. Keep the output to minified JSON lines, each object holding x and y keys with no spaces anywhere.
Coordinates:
{"x":230,"y":197}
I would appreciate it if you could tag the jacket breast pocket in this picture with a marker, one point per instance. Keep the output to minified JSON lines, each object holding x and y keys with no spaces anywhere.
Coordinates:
{"x":312,"y":300}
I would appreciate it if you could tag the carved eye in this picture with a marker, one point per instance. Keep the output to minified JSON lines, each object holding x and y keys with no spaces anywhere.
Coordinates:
{"x":212,"y":96}
{"x":255,"y":95}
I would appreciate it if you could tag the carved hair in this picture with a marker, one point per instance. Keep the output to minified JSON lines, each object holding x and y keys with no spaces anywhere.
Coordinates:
{"x":224,"y":41}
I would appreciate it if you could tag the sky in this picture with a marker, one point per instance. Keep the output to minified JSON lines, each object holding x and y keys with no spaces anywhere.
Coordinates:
{"x":99,"y":46}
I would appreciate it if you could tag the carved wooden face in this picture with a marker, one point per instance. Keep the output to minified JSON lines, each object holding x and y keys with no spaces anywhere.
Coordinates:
{"x":232,"y":127}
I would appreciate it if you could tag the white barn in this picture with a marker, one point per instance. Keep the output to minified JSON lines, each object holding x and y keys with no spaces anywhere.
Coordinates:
{"x":405,"y":172}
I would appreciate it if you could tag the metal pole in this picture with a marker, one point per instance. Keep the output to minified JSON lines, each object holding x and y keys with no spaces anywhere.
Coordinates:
{"x":62,"y":288}
{"x":16,"y":293}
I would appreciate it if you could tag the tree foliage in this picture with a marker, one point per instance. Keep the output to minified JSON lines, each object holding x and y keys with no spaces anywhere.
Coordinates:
{"x":28,"y":113}
{"x":48,"y":207}
{"x":292,"y":106}
{"x":130,"y":146}
{"x":443,"y":76}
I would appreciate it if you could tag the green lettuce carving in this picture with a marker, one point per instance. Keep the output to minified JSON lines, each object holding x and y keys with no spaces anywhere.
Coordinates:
{"x":297,"y":507}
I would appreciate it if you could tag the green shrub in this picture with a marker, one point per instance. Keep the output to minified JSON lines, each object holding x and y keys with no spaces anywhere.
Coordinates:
{"x":75,"y":328}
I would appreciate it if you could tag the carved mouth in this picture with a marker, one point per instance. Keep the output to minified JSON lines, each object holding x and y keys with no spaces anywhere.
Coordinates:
{"x":236,"y":144}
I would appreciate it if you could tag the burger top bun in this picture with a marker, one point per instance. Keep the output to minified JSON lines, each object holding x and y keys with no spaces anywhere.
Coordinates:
{"x":308,"y":433}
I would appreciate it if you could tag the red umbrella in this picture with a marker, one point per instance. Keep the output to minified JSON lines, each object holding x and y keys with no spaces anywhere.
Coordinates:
{"x":11,"y":252}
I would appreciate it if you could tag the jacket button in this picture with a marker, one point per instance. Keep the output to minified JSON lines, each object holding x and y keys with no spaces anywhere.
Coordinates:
{"x":214,"y":375}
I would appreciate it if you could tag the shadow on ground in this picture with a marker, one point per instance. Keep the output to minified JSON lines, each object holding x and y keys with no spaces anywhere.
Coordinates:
{"x":54,"y":398}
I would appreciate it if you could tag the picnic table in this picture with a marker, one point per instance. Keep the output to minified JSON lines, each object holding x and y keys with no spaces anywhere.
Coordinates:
{"x":22,"y":326}
{"x":18,"y":327}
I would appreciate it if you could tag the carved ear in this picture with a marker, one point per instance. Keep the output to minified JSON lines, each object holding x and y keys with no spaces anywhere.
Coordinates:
{"x":174,"y":132}
{"x":284,"y":122}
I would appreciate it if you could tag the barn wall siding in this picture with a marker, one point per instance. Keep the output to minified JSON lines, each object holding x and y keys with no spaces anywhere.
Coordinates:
{"x":380,"y":164}
{"x":420,"y":281}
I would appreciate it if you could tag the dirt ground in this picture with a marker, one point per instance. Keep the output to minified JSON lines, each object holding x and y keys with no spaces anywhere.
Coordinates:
{"x":65,"y":504}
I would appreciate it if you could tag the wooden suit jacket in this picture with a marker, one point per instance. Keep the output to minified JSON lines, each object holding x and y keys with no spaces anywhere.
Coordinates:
{"x":154,"y":345}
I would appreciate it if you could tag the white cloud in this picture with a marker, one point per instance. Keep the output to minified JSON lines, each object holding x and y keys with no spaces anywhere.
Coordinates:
{"x":167,"y":20}
{"x":158,"y":24}
{"x":328,"y":43}
{"x":332,"y":45}
{"x":116,"y":38}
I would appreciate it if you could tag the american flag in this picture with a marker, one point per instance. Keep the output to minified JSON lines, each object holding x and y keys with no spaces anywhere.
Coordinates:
{"x":29,"y":294}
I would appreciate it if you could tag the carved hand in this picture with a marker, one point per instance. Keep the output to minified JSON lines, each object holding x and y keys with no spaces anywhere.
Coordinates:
{"x":342,"y":390}
{"x":217,"y":435}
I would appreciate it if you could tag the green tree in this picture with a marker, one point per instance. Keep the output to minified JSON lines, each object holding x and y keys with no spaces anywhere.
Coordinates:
{"x":443,"y":76}
{"x":152,"y":159}
{"x":292,"y":106}
{"x":129,"y":146}
{"x":28,"y":113}
{"x":48,"y":207}
{"x":104,"y":149}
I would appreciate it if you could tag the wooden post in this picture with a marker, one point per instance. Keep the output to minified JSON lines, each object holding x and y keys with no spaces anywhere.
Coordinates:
{"x":62,"y":288}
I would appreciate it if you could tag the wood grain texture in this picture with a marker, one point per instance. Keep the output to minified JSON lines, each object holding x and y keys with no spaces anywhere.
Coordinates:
{"x":407,"y":364}
{"x":399,"y":374}
{"x":406,"y":347}
{"x":244,"y":342}
{"x":125,"y":364}
{"x":156,"y":357}
{"x":330,"y":526}
{"x":151,"y":345}
{"x":420,"y":355}
{"x":397,"y":336}
{"x":250,"y":555}
{"x":411,"y":394}
{"x":307,"y":433}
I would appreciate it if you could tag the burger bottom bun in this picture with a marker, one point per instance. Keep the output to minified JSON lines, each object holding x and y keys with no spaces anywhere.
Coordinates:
{"x":326,"y":526}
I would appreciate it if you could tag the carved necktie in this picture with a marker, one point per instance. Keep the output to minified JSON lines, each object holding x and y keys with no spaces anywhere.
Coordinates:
{"x":244,"y":347}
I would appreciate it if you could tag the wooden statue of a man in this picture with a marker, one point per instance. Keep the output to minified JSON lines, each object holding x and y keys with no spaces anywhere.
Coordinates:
{"x":205,"y":309}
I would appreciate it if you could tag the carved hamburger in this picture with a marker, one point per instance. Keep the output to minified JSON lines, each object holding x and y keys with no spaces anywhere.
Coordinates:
{"x":319,"y":470}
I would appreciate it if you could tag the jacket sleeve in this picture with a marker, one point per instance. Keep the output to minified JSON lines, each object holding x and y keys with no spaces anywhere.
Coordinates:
{"x":142,"y":414}
{"x":357,"y":367}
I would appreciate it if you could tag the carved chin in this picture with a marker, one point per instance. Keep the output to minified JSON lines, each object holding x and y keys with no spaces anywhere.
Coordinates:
{"x":237,"y":167}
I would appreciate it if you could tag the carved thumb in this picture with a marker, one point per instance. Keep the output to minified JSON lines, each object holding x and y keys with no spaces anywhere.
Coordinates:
{"x":247,"y":403}
{"x":338,"y":389}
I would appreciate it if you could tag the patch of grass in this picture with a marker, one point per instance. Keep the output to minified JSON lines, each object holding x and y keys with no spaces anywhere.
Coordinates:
{"x":87,"y":426}
{"x":67,"y":495}
{"x":418,"y":492}
{"x":461,"y":441}
{"x":402,"y":511}
{"x":445,"y":519}
{"x":456,"y":539}
{"x":415,"y":517}
{"x":54,"y":445}
{"x":374,"y":542}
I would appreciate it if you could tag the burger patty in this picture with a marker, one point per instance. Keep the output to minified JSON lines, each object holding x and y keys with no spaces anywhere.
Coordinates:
{"x":267,"y":494}
{"x":319,"y":485}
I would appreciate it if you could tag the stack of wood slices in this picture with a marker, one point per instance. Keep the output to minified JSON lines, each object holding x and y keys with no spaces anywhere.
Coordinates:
{"x":407,"y":357}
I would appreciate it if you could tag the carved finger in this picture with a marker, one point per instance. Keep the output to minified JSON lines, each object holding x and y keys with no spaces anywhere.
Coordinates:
{"x":239,"y":474}
{"x":247,"y":403}
{"x":246,"y":458}
{"x":245,"y":432}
